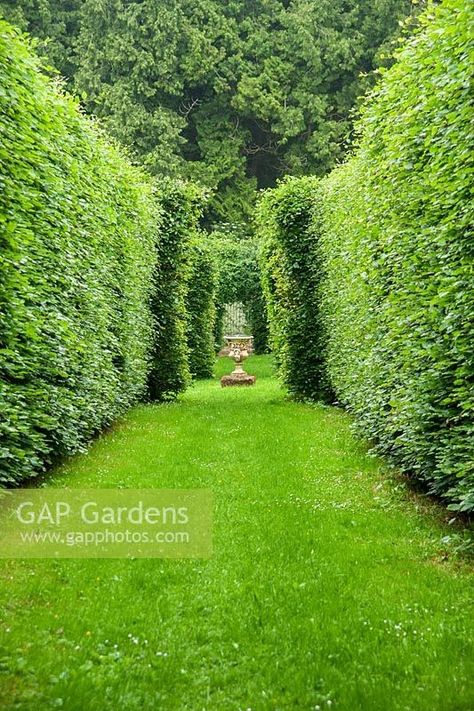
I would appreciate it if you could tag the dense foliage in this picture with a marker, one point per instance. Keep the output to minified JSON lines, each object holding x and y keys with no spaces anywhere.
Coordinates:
{"x":200,"y":308}
{"x":231,"y":94}
{"x":55,"y":26}
{"x":290,"y":273}
{"x":181,"y":205}
{"x":398,"y":246}
{"x":78,"y":227}
{"x":106,"y":292}
{"x":239,"y":280}
{"x":381,"y":284}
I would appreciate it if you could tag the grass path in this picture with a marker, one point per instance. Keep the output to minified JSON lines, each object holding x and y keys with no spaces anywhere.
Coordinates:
{"x":327,"y":588}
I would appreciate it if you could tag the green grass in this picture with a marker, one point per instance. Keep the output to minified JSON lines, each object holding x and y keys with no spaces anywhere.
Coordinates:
{"x":330,"y":586}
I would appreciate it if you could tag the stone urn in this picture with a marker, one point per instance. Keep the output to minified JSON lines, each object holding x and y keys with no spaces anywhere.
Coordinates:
{"x":239,"y":348}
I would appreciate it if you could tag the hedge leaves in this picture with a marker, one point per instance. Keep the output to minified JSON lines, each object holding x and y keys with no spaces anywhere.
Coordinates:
{"x":392,"y":263}
{"x":290,"y":273}
{"x":79,"y":233}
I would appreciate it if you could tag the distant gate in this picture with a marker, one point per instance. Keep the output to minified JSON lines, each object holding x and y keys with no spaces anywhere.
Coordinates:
{"x":234,"y":321}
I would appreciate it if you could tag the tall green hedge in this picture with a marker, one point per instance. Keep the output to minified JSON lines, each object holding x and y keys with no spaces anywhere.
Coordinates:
{"x":369,"y":273}
{"x":398,"y":245}
{"x":78,"y":227}
{"x":291,"y":270}
{"x":200,"y":308}
{"x":181,"y":204}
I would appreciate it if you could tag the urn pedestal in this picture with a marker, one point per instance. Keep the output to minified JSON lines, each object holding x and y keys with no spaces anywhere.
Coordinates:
{"x":239,"y":347}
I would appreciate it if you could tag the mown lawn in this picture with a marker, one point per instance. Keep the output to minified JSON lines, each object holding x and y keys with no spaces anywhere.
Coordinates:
{"x":330,"y":586}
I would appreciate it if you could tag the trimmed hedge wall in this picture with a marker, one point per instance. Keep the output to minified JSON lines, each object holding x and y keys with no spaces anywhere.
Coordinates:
{"x":181,"y":204}
{"x":290,"y":274}
{"x":200,"y":308}
{"x":383,"y":279}
{"x":78,"y":226}
{"x":398,"y":246}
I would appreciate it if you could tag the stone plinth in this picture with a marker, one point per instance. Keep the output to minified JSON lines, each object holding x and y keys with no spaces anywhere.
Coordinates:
{"x":237,"y":379}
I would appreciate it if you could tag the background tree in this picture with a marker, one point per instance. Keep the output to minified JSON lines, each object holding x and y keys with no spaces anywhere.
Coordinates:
{"x":55,"y":23}
{"x":233,"y":95}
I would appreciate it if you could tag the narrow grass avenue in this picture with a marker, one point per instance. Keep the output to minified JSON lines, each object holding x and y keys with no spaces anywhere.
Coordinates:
{"x":330,"y":585}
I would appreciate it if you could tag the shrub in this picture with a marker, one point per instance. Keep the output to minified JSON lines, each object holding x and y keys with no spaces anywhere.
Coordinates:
{"x":397,"y":244}
{"x":290,"y":271}
{"x":181,"y":204}
{"x":200,"y":308}
{"x":78,"y":226}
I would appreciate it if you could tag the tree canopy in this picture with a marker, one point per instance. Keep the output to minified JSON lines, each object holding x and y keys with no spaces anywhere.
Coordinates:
{"x":232,"y":94}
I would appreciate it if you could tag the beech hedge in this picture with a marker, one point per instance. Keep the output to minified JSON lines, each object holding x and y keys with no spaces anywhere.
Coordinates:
{"x":181,"y":203}
{"x":201,"y":308}
{"x":79,"y":227}
{"x":239,"y":280}
{"x":398,"y":246}
{"x":390,"y":257}
{"x":291,"y":270}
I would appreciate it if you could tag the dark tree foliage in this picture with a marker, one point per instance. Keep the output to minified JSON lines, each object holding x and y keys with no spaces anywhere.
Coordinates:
{"x":231,"y":94}
{"x":56,"y":25}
